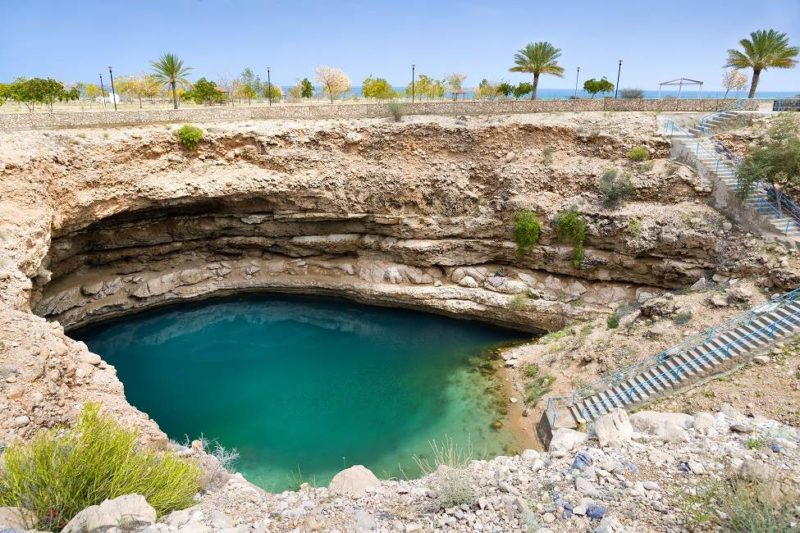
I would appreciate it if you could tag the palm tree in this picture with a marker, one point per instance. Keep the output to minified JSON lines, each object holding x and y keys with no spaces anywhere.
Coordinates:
{"x":538,"y":58}
{"x":170,"y":71}
{"x":764,"y":49}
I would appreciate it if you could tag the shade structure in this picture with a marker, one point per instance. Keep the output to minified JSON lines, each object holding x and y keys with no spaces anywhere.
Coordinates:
{"x":680,"y":82}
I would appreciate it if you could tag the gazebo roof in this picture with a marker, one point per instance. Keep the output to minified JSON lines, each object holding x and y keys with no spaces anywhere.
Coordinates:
{"x":682,"y":81}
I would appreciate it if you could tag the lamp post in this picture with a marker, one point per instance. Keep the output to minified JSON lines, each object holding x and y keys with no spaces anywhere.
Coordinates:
{"x":269,"y":88}
{"x":413,"y":89}
{"x":619,"y":71}
{"x":113,"y":92}
{"x":102,"y":92}
{"x":577,"y":76}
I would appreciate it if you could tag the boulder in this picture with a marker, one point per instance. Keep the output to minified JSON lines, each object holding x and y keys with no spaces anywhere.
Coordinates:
{"x":613,"y":428}
{"x":15,"y":518}
{"x":667,"y":426}
{"x":565,"y":439}
{"x":660,"y":306}
{"x":354,"y":482}
{"x":704,"y":421}
{"x":131,"y":510}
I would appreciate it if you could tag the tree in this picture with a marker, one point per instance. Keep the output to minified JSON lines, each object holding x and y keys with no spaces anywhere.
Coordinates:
{"x":538,"y":58}
{"x":765,"y":49}
{"x":506,"y":89}
{"x":427,"y":86}
{"x":631,"y":94}
{"x":205,"y":92}
{"x":39,"y":91}
{"x":93,"y":91}
{"x":245,"y":91}
{"x":776,"y":158}
{"x":273,"y":92}
{"x":455,"y":83}
{"x":170,"y":71}
{"x":138,"y":87}
{"x":486,"y":89}
{"x":251,"y":85}
{"x":733,"y":80}
{"x":594,"y":86}
{"x":334,"y":82}
{"x":522,"y":89}
{"x":306,"y":89}
{"x":377,"y":88}
{"x":5,"y":93}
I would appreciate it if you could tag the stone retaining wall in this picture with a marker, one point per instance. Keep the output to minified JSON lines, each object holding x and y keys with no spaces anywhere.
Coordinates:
{"x":351,"y":111}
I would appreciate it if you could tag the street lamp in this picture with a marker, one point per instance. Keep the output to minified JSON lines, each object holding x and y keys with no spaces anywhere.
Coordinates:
{"x":413,"y":88}
{"x":577,"y":75}
{"x":269,"y":88}
{"x":102,"y":92}
{"x":113,"y":92}
{"x":619,"y":71}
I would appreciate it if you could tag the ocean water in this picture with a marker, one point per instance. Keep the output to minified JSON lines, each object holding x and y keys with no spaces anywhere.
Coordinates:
{"x":304,"y":387}
{"x":564,"y":94}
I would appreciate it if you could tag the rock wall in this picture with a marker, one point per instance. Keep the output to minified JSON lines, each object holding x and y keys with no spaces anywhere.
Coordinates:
{"x":420,"y":214}
{"x":357,"y":111}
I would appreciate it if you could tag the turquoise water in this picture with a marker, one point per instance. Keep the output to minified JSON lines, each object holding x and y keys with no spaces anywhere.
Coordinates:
{"x":304,"y":387}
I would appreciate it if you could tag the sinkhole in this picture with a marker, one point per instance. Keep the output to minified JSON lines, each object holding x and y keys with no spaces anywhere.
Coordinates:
{"x":303,"y":387}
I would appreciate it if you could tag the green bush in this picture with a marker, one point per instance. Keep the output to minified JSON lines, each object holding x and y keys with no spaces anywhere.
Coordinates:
{"x":571,"y":228}
{"x":527,"y":229}
{"x":615,"y":187}
{"x":775,"y":159}
{"x":682,"y":318}
{"x":61,"y":472}
{"x":630,"y":94}
{"x":535,"y":390}
{"x":518,"y":302}
{"x":638,"y":153}
{"x":532,"y":370}
{"x":612,"y":322}
{"x":396,"y":110}
{"x":189,"y":136}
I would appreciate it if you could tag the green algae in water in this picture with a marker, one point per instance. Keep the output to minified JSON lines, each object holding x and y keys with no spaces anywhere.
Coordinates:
{"x":304,"y":387}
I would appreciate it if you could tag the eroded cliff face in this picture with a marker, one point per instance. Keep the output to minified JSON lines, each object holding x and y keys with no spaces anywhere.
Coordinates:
{"x":416,"y":214}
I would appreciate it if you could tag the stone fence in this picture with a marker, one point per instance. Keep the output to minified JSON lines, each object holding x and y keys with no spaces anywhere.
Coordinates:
{"x":78,"y":119}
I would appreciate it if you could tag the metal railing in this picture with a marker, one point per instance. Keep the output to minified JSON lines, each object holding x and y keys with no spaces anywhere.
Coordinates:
{"x":683,"y":347}
{"x":767,"y":199}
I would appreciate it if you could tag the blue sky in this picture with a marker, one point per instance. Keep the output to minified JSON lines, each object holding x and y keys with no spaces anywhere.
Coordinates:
{"x":74,"y":40}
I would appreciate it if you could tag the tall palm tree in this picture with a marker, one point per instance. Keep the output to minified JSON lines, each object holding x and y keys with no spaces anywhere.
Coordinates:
{"x":538,"y":58}
{"x":170,"y":71}
{"x":765,"y":49}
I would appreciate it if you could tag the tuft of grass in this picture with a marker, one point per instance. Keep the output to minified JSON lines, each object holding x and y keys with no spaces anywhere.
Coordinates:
{"x":451,"y":480}
{"x":745,"y":507}
{"x":638,"y":153}
{"x":532,"y":370}
{"x":61,"y":472}
{"x":296,"y":479}
{"x":682,"y":318}
{"x":518,"y":302}
{"x":536,"y":389}
{"x":527,"y":229}
{"x":396,"y":110}
{"x":612,"y":322}
{"x":756,"y":443}
{"x":571,"y":227}
{"x":635,"y":227}
{"x":555,"y":335}
{"x":189,"y":136}
{"x":547,"y":156}
{"x":615,"y":187}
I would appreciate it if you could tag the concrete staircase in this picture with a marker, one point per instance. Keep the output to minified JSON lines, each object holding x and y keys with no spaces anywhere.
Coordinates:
{"x":695,"y":143}
{"x":752,"y":336}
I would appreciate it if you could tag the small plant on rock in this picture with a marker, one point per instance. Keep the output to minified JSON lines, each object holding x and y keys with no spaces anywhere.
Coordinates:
{"x":190,"y":136}
{"x":615,"y":188}
{"x":612,"y":322}
{"x":638,"y":153}
{"x":448,"y":464}
{"x":571,"y":228}
{"x":63,"y":471}
{"x":519,"y":302}
{"x":527,"y":229}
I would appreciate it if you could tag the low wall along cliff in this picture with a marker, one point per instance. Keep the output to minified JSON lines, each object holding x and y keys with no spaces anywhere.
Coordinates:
{"x":355,"y":111}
